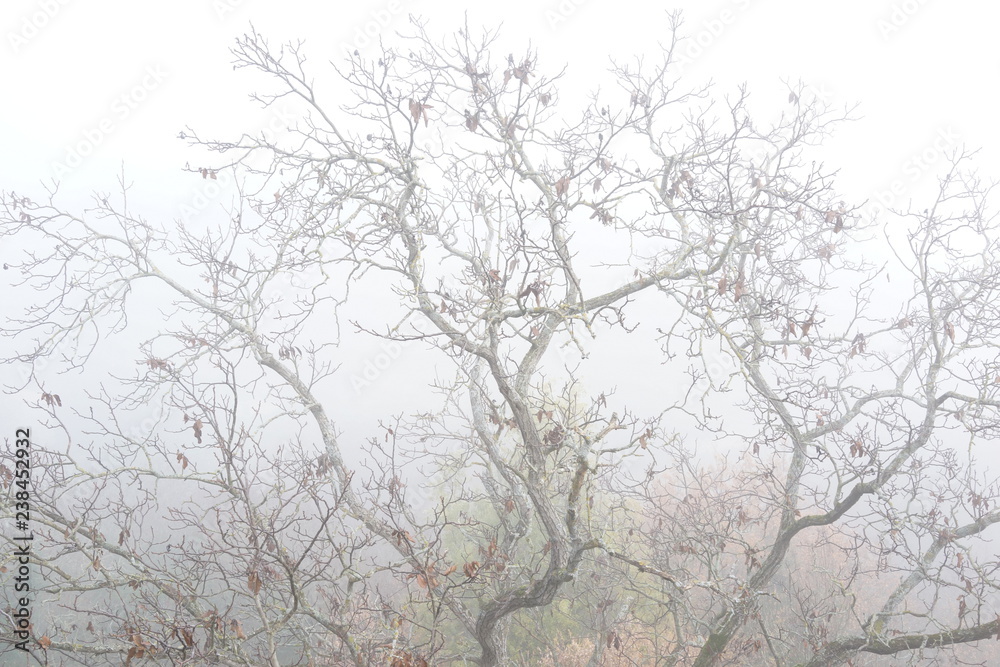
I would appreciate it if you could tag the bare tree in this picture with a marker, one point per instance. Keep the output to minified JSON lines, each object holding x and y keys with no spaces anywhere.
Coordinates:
{"x":804,"y":489}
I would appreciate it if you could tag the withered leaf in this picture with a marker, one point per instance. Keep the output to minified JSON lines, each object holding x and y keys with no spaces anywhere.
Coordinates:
{"x":254,"y":582}
{"x":418,"y":109}
{"x":644,"y":438}
{"x":471,"y":121}
{"x":562,"y":186}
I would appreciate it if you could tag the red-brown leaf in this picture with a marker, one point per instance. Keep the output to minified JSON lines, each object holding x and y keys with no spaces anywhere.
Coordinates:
{"x":562,"y":186}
